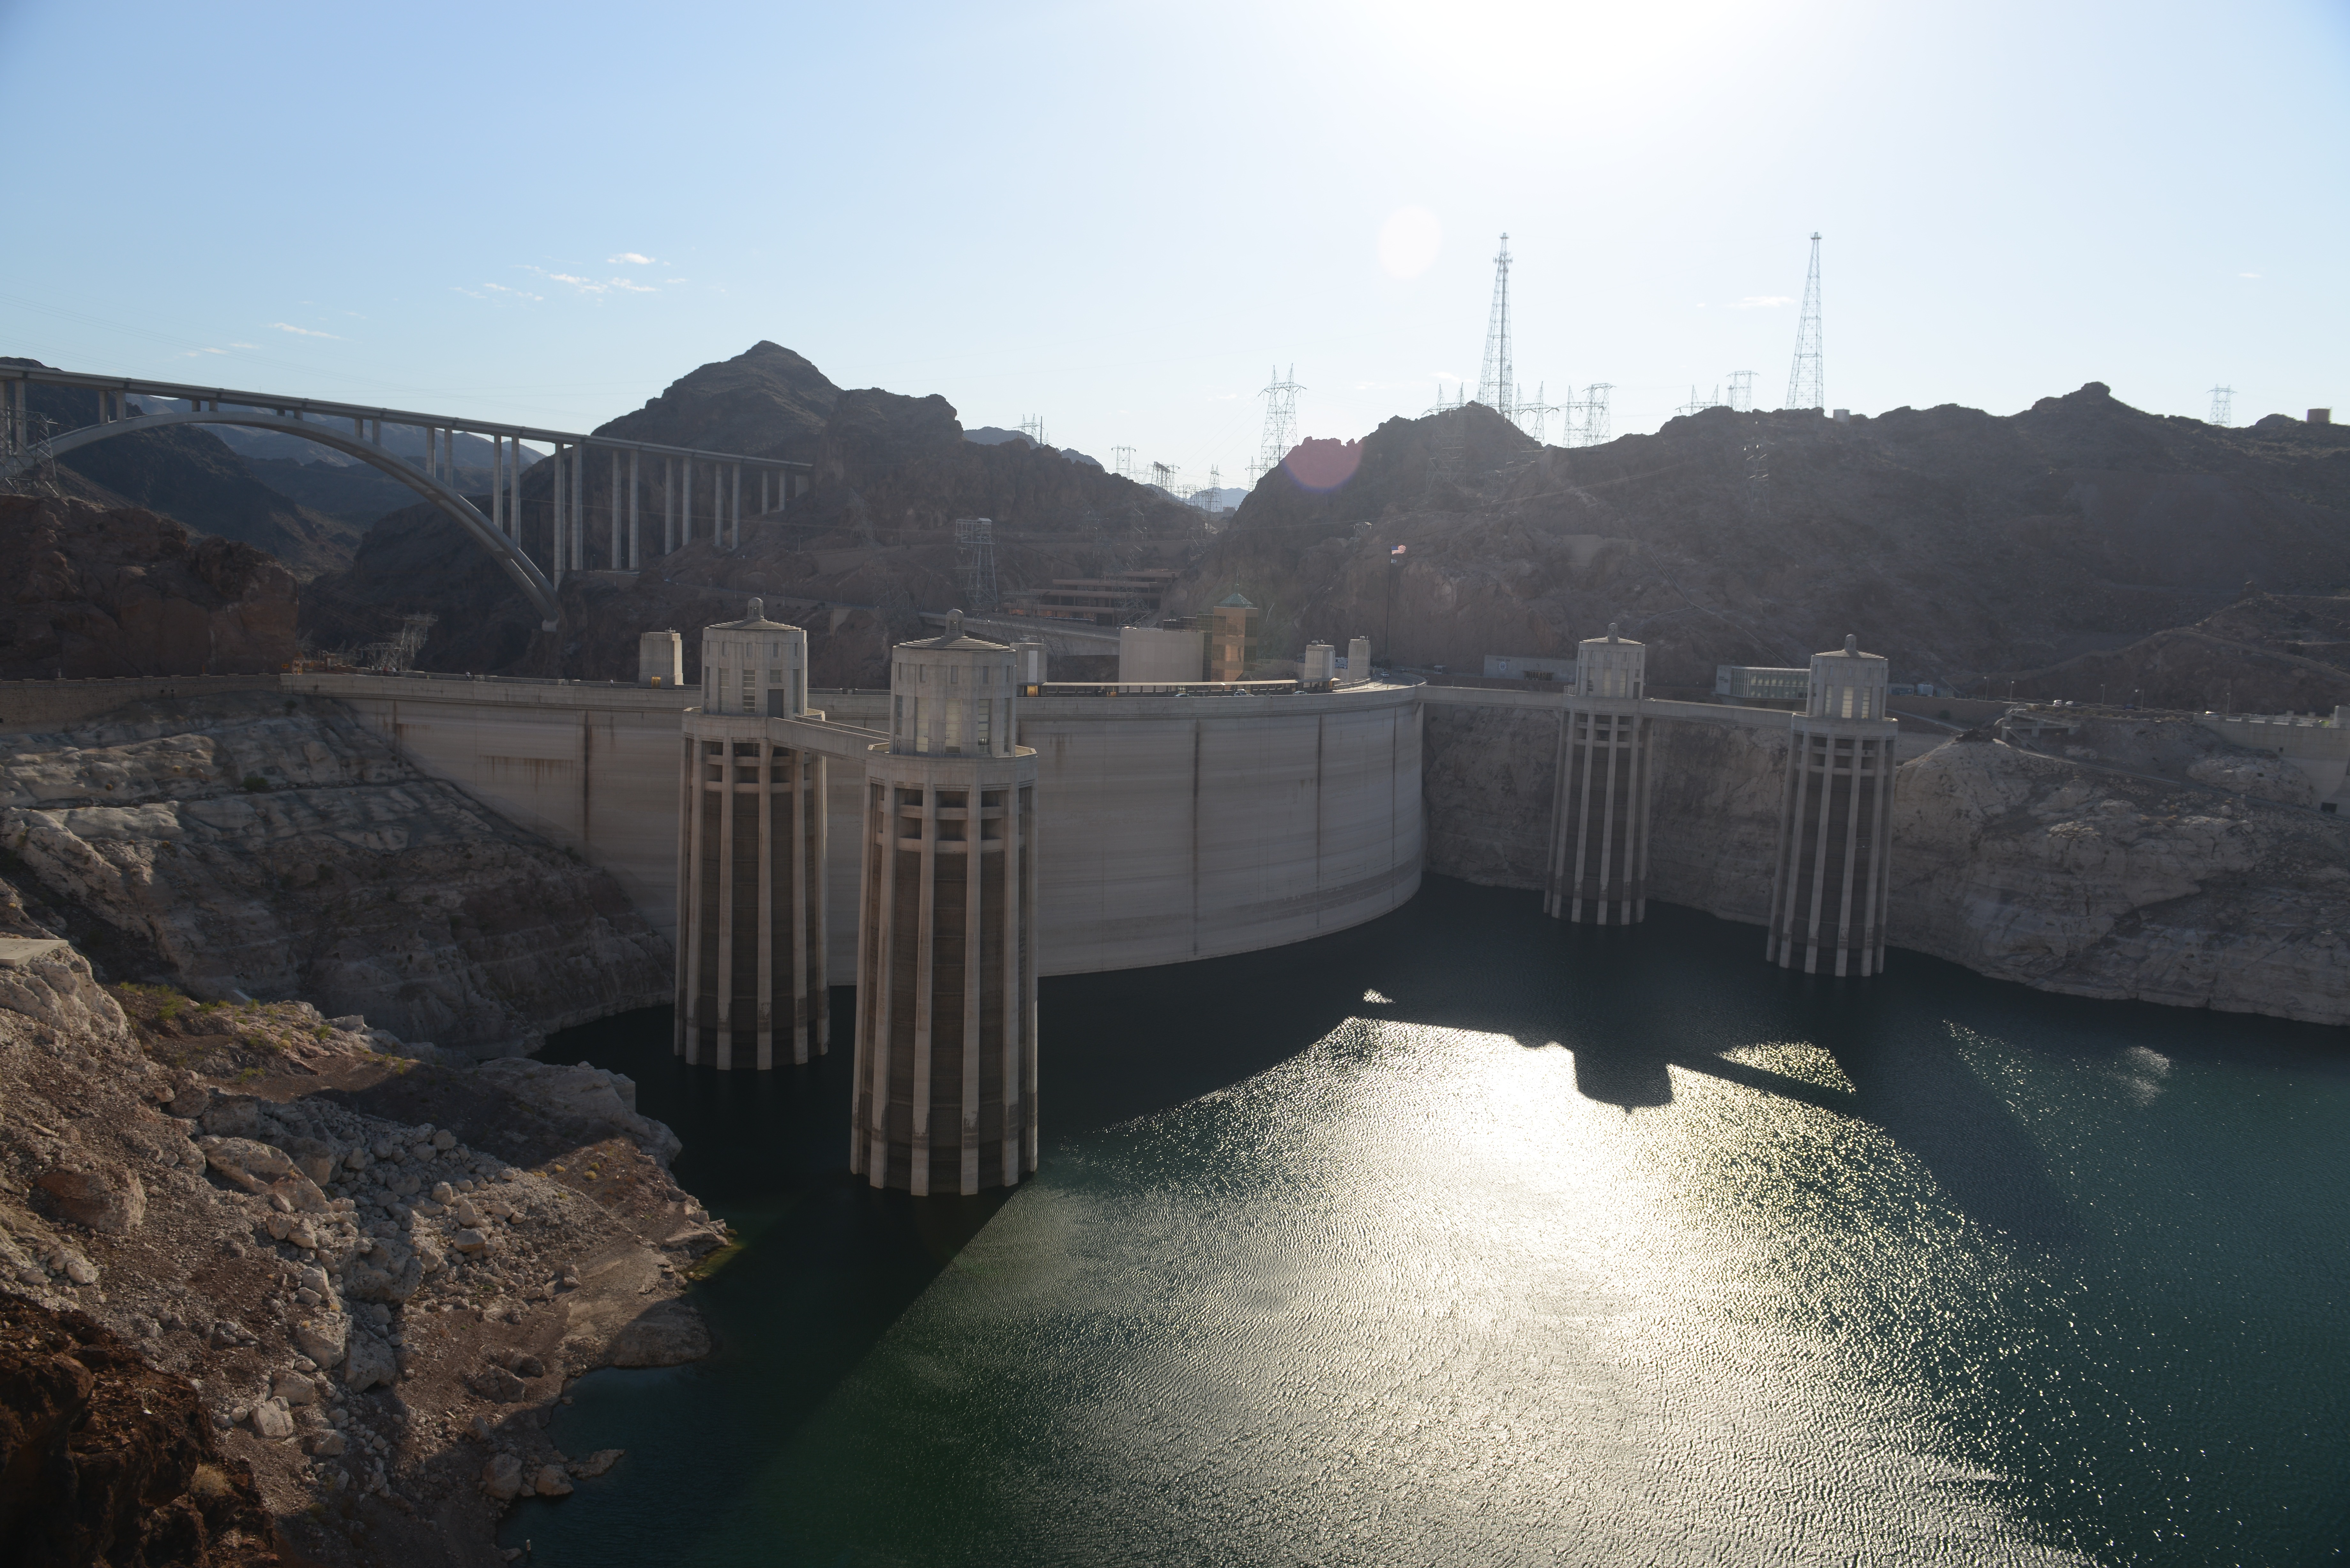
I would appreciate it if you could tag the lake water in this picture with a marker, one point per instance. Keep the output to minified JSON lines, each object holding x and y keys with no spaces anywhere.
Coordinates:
{"x":1469,"y":1236}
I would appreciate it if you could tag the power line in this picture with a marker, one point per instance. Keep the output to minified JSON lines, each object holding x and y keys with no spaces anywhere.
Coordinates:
{"x":1805,"y":380}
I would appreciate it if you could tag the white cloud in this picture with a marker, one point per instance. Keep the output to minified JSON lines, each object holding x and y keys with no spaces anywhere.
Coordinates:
{"x":245,"y":345}
{"x":1762,"y":301}
{"x":199,"y":353}
{"x":623,"y":283}
{"x":630,"y":258}
{"x":301,"y":331}
{"x":672,"y":280}
{"x":588,"y":285}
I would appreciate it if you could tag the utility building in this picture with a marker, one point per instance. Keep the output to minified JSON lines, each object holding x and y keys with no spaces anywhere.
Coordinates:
{"x":1232,"y":628}
{"x":1599,"y":822}
{"x":751,"y":854}
{"x":1828,"y":882}
{"x":945,"y":1091}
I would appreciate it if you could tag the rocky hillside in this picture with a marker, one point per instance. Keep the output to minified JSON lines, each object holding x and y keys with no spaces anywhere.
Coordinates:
{"x":94,"y":591}
{"x":873,"y":542}
{"x":2266,"y":653}
{"x":251,"y":846}
{"x":189,"y":474}
{"x":1956,"y":542}
{"x":304,"y":1301}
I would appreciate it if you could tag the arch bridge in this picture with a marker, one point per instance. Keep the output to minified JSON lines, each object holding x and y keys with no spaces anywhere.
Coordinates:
{"x":498,"y":531}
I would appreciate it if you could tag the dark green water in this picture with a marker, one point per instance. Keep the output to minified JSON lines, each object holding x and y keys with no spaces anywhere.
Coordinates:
{"x":1468,"y":1236}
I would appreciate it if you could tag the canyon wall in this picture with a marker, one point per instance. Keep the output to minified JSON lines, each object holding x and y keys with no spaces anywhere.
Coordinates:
{"x":2048,"y":871}
{"x":271,"y":847}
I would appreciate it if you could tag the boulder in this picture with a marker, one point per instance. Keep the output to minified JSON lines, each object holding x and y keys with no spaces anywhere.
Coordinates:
{"x":250,"y":1165}
{"x":495,"y":1383}
{"x":368,"y":1363}
{"x":113,"y":1202}
{"x":273,"y":1420}
{"x":301,"y":1194}
{"x":596,"y":1463}
{"x":550,"y":1482}
{"x":324,"y":1338}
{"x":669,"y":1335}
{"x":326,"y":1445}
{"x":469,"y":1241}
{"x":501,"y":1477}
{"x":293,"y":1388}
{"x":311,"y":1159}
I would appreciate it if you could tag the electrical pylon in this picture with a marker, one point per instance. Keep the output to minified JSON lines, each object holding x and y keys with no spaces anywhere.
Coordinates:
{"x":2223,"y":406}
{"x":1279,"y":421}
{"x":1496,"y":387}
{"x":1805,"y":381}
{"x":1741,"y":391}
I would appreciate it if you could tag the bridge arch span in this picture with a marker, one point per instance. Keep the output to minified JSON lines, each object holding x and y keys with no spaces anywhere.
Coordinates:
{"x":507,"y":553}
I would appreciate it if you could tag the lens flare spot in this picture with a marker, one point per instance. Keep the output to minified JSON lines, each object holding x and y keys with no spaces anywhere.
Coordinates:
{"x":1323,"y":464}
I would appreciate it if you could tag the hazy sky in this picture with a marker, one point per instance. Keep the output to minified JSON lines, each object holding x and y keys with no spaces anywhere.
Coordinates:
{"x":1118,"y":217}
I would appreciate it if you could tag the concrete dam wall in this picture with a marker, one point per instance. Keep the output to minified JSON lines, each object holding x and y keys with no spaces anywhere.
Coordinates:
{"x":1169,"y":828}
{"x":1492,"y":780}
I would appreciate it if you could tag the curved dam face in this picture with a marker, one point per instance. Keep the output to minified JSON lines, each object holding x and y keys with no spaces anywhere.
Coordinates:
{"x":1174,"y":828}
{"x":1168,"y":828}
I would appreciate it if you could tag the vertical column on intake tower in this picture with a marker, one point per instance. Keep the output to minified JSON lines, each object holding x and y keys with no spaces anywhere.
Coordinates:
{"x":751,"y":843}
{"x":1829,"y":875}
{"x":946,"y":1098}
{"x":1600,"y":816}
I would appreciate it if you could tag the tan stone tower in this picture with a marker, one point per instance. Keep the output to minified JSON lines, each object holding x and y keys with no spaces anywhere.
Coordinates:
{"x":1599,"y":819}
{"x":751,"y":843}
{"x":1829,"y":878}
{"x":946,"y":1098}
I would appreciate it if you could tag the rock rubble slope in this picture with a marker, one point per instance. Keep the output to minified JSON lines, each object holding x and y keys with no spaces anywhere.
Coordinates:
{"x":256,"y":846}
{"x":340,"y":1322}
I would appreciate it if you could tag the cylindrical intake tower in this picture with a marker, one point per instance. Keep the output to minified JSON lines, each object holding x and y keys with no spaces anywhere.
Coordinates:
{"x":946,"y":1098}
{"x":1599,"y":818}
{"x":1829,"y":879}
{"x":751,"y":844}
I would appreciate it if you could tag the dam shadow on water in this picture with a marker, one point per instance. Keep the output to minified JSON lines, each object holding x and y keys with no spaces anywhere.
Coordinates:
{"x":827,"y":1265}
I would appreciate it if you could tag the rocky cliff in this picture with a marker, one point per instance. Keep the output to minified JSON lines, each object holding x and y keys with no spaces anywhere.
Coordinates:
{"x":2212,"y":889}
{"x":2040,"y":870}
{"x":312,"y":1308}
{"x":98,"y":591}
{"x":271,"y":847}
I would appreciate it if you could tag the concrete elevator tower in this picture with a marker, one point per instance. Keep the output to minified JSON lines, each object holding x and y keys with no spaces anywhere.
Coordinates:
{"x":751,"y":843}
{"x":1829,"y":879}
{"x":945,"y":1096}
{"x":1599,"y":820}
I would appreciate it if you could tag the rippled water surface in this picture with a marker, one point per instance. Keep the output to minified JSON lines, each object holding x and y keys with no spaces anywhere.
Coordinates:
{"x":1470,"y":1238}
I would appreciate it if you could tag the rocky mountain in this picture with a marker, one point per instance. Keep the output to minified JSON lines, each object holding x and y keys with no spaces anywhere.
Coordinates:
{"x":2266,"y":653}
{"x":188,"y":473}
{"x":1959,"y":543}
{"x":272,"y":1292}
{"x":97,"y":591}
{"x":872,"y":543}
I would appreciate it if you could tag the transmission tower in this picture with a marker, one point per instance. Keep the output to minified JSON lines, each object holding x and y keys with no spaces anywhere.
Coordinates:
{"x":1696,"y":405}
{"x":1495,"y":388}
{"x":1534,"y":418}
{"x":1121,"y":460}
{"x":1163,"y":476}
{"x":975,"y":555}
{"x":1280,"y":397}
{"x":1033,"y":427}
{"x":2223,"y":406}
{"x":1587,"y":418}
{"x":1741,"y":391}
{"x":1803,"y":381}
